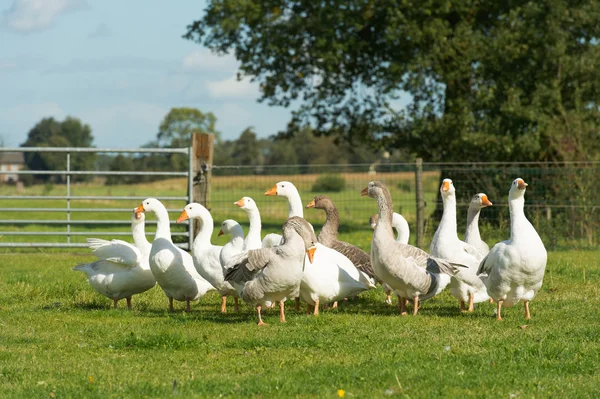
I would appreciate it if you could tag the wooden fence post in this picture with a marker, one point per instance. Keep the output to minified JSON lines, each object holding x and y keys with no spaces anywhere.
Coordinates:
{"x":420,"y":202}
{"x":202,"y":162}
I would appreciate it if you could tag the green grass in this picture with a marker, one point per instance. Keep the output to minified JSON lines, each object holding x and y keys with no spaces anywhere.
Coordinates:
{"x":58,"y":338}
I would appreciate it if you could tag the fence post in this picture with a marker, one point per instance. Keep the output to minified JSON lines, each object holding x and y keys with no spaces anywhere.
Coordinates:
{"x":202,"y":146}
{"x":420,"y":202}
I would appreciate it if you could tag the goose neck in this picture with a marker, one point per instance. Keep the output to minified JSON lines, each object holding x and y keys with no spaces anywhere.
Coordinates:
{"x":384,"y":224}
{"x":138,"y":231}
{"x":332,"y":223}
{"x":255,"y":224}
{"x":448,"y":222}
{"x":295,"y":204}
{"x":517,"y":216}
{"x":206,"y":229}
{"x":163,"y":227}
{"x":472,"y":231}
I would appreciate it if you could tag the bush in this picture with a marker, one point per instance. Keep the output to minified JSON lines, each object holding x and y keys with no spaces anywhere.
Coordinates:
{"x":330,"y":183}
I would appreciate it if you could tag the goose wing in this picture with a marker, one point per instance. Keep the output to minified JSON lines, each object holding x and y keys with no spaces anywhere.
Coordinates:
{"x":244,"y":266}
{"x":117,"y":251}
{"x":360,"y":258}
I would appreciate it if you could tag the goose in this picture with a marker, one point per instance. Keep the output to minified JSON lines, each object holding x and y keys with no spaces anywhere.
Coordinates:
{"x":122,"y":269}
{"x":252,"y":240}
{"x":172,"y":267}
{"x":331,"y":276}
{"x":472,"y":237}
{"x":403,"y":234}
{"x":268,"y":275}
{"x":447,"y":245}
{"x":235,"y":245}
{"x":409,"y":271}
{"x":206,"y":255}
{"x":515,"y":267}
{"x":398,"y":223}
{"x":329,"y":235}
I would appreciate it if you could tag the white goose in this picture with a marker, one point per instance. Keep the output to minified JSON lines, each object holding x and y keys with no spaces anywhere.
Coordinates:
{"x":122,"y":269}
{"x":402,"y":235}
{"x":206,"y":255}
{"x":252,"y":240}
{"x":331,"y":276}
{"x":472,"y":236}
{"x":515,"y":267}
{"x":235,"y":245}
{"x":398,"y":223}
{"x":447,"y":245}
{"x":172,"y":267}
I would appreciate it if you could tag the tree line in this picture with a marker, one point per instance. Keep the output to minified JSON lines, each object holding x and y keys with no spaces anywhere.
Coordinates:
{"x":252,"y":154}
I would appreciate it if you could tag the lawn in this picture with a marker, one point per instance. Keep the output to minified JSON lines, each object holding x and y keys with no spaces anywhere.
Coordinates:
{"x":60,"y":339}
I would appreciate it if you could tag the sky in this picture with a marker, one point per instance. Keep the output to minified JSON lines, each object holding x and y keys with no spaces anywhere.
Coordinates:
{"x":119,"y":66}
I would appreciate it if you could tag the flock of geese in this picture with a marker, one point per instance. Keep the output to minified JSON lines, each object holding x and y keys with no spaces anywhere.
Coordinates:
{"x":321,"y":269}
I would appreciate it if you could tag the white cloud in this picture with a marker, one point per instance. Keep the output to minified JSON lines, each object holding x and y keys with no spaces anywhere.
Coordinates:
{"x":27,"y":16}
{"x":233,"y":88}
{"x":204,"y":60}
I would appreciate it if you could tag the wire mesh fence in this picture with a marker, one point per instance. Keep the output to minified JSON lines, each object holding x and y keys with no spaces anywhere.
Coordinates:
{"x":561,"y":199}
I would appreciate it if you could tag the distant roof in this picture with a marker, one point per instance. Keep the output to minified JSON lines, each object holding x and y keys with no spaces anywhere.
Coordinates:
{"x":12,"y":157}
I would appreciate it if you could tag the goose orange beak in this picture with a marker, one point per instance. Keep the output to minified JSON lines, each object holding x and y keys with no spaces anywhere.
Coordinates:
{"x":364,"y":192}
{"x":311,"y":204}
{"x":240,"y":202}
{"x":521,"y":184}
{"x":485,"y":201}
{"x":140,"y":209}
{"x":272,"y":191}
{"x":311,"y":253}
{"x":183,"y":216}
{"x":446,"y":186}
{"x":220,"y":233}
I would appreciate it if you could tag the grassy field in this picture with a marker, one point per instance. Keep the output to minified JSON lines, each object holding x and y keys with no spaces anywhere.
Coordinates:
{"x":60,"y":339}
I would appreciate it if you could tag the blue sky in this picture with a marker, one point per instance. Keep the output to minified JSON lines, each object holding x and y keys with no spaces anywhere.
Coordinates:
{"x":118,"y":65}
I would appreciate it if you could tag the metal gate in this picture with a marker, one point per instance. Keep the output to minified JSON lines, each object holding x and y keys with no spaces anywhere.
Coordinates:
{"x":11,"y":203}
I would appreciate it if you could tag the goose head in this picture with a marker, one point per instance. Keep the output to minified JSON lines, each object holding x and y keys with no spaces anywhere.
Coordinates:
{"x":302,"y":228}
{"x":149,"y":205}
{"x":517,"y":189}
{"x":282,"y":189}
{"x":246,"y":203}
{"x":447,"y":189}
{"x":320,"y":202}
{"x":374,"y":189}
{"x":373,"y":220}
{"x":137,"y":217}
{"x":229,"y":226}
{"x":479,"y":201}
{"x":193,"y":210}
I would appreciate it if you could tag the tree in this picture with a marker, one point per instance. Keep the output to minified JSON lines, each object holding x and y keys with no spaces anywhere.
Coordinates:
{"x":51,"y":133}
{"x":245,"y":149}
{"x":489,"y":80}
{"x":176,"y":129}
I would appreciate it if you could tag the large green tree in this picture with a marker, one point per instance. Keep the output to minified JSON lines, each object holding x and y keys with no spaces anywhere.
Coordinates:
{"x":488,"y":80}
{"x":52,"y":133}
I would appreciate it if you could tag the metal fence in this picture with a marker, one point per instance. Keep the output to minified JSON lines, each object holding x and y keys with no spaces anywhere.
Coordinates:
{"x":562,"y":199}
{"x":86,"y":212}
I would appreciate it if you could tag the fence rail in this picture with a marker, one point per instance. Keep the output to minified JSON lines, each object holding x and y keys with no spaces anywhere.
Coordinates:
{"x":70,"y":199}
{"x":561,"y":200}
